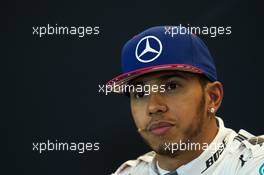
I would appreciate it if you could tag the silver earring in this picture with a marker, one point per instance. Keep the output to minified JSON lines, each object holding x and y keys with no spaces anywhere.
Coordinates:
{"x":212,"y":110}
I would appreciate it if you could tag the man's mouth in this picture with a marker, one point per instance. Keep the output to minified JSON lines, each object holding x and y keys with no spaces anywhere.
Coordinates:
{"x":160,"y":128}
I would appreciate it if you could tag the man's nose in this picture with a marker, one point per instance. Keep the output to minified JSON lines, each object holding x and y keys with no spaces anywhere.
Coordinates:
{"x":156,"y":105}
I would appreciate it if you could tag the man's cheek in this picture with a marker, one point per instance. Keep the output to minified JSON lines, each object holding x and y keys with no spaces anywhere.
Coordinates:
{"x":139,"y":116}
{"x":139,"y":120}
{"x":181,"y":112}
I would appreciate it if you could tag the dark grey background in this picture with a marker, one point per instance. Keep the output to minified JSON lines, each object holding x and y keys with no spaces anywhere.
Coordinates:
{"x":53,"y":81}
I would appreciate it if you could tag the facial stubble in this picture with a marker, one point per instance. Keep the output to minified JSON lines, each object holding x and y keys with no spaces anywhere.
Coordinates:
{"x":190,"y":133}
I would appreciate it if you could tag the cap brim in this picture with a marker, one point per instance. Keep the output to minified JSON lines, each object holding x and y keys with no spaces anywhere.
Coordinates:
{"x":118,"y":83}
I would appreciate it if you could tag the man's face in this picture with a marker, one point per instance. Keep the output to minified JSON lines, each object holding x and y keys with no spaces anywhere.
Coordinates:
{"x":174,"y":114}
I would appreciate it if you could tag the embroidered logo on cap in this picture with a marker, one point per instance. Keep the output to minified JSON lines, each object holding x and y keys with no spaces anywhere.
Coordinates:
{"x":148,"y":49}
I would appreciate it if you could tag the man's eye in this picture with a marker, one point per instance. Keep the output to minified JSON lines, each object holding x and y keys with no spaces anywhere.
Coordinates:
{"x":138,"y":95}
{"x":171,"y":86}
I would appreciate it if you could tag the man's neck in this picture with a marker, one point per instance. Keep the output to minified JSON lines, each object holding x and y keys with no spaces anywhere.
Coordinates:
{"x":184,"y":157}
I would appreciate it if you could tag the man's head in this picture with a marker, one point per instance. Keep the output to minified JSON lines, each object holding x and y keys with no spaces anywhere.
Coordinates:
{"x":182,"y":72}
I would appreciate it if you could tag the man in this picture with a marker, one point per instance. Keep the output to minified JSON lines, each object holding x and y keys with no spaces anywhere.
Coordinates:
{"x":174,"y":94}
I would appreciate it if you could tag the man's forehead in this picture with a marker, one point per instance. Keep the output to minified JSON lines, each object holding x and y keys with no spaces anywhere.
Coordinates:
{"x":162,"y":75}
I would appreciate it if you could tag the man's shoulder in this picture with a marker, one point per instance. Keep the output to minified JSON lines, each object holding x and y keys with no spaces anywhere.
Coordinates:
{"x":246,"y":142}
{"x":141,"y":164}
{"x":248,"y":151}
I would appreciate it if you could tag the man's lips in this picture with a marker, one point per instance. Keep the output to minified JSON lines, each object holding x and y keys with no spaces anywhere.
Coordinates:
{"x":160,"y":128}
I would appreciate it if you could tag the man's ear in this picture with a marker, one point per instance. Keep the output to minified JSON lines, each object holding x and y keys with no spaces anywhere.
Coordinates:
{"x":215,"y":94}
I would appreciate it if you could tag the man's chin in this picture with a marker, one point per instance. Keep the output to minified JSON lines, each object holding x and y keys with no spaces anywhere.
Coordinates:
{"x":166,"y":149}
{"x":164,"y":145}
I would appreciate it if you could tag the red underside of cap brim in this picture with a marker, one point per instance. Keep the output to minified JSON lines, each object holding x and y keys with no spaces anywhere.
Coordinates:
{"x":127,"y":77}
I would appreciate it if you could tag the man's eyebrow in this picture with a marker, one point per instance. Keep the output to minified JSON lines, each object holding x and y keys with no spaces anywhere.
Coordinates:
{"x":164,"y":77}
{"x":136,"y":83}
{"x":174,"y":74}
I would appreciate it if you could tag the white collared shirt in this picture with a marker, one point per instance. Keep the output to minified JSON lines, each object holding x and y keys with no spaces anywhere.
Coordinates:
{"x":234,"y":154}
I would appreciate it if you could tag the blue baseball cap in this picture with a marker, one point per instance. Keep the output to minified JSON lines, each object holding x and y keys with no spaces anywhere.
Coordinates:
{"x":161,"y":48}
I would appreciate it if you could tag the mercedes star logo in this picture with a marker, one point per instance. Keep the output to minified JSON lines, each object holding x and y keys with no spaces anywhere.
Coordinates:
{"x":153,"y":52}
